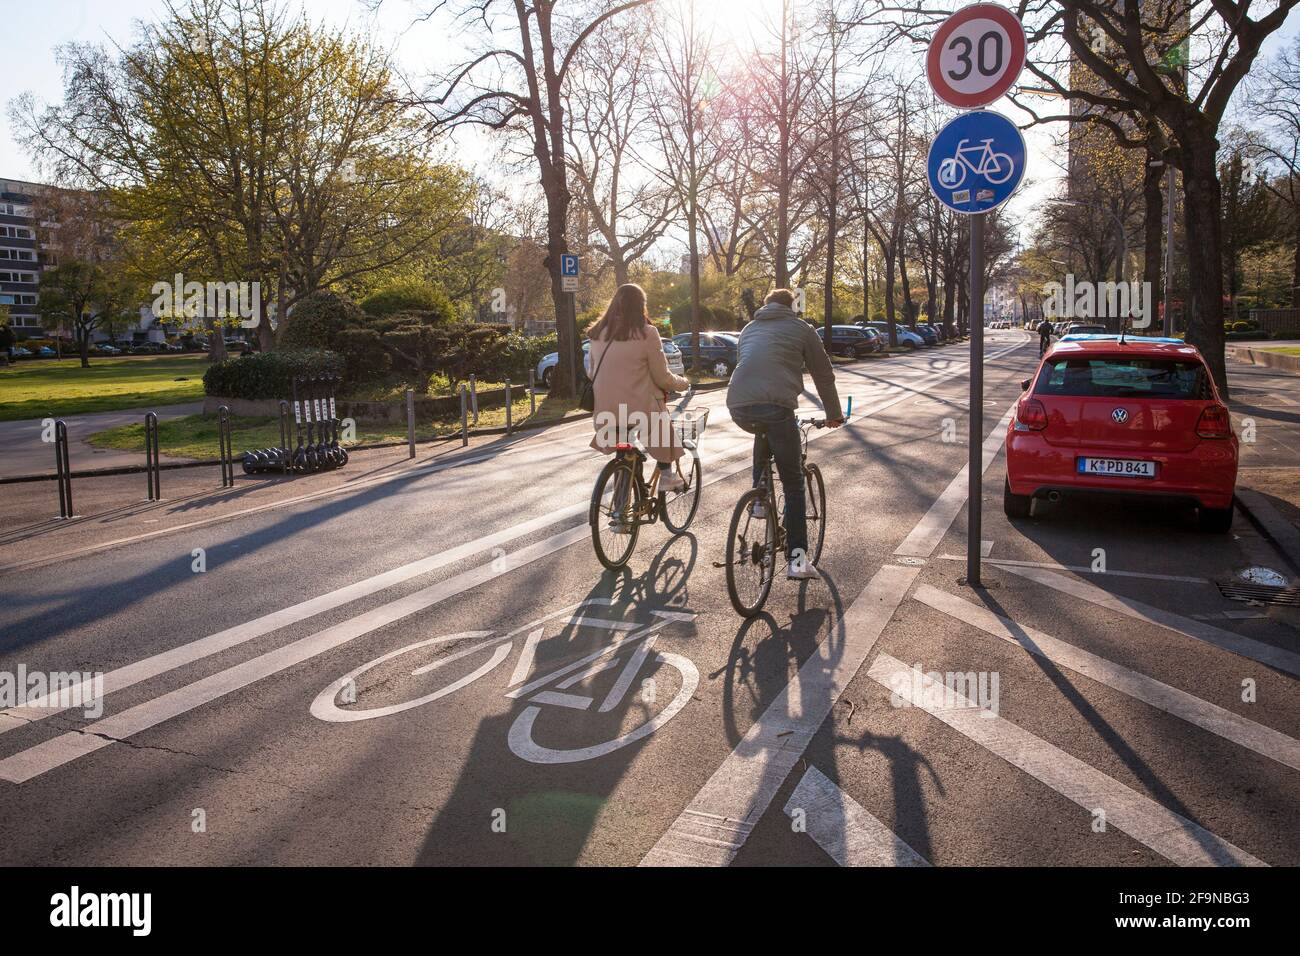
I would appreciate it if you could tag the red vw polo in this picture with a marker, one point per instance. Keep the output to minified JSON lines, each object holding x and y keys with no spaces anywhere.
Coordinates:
{"x":1138,"y":418}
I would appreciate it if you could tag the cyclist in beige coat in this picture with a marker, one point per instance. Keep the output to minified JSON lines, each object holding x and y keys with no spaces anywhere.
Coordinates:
{"x":631,"y":381}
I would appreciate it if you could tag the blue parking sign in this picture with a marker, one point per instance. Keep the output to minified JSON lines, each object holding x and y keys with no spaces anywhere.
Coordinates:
{"x":976,"y":162}
{"x":568,"y":265}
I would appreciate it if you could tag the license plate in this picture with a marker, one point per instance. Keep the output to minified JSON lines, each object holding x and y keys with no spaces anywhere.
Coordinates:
{"x":1117,"y":467}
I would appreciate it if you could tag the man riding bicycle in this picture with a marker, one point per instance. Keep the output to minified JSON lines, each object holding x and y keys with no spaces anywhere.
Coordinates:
{"x":771,"y":356}
{"x":1044,"y":337}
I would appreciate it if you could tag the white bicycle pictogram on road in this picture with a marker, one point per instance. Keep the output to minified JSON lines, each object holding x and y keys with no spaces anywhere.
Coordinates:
{"x":995,"y":167}
{"x":633,"y":649}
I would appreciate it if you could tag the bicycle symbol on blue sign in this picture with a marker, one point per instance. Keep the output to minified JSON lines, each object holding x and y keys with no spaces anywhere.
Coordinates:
{"x":568,"y":265}
{"x":976,"y":162}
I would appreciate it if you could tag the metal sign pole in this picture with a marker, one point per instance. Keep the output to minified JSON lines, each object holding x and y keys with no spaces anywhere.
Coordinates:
{"x":975,"y":464}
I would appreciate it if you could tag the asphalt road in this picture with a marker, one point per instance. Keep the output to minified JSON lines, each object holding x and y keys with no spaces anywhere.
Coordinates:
{"x":434,"y":669}
{"x":27,"y":453}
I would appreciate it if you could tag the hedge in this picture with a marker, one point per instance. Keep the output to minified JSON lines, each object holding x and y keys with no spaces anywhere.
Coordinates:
{"x":268,"y":375}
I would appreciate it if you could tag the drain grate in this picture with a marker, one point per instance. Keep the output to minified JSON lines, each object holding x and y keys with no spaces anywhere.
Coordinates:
{"x":1263,"y":593}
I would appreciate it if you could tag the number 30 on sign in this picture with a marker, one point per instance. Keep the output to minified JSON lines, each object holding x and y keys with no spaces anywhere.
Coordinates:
{"x":976,"y":55}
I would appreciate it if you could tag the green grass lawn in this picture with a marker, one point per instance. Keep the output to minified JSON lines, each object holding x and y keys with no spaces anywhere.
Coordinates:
{"x":53,"y":388}
{"x":1284,"y":349}
{"x":195,"y":436}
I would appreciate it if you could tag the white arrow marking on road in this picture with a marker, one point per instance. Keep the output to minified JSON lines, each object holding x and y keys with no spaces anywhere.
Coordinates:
{"x":849,"y":834}
{"x":1172,"y":836}
{"x":1263,"y":740}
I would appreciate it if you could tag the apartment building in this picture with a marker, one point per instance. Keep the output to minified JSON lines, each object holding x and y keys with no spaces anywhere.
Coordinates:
{"x":21,"y":256}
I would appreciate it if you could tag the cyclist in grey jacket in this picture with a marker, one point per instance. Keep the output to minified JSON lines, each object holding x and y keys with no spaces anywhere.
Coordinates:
{"x":773,"y":352}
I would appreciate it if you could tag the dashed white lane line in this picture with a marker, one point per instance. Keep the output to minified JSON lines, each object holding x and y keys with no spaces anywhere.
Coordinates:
{"x":1217,"y":720}
{"x":849,"y":834}
{"x":716,"y":824}
{"x":1174,"y":837}
{"x":931,"y":529}
{"x":1225,"y":640}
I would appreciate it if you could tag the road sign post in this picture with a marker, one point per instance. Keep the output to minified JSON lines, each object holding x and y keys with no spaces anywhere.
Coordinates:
{"x":570,"y":271}
{"x":975,"y":164}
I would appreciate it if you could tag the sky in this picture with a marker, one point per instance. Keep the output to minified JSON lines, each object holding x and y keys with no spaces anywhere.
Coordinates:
{"x":45,"y":25}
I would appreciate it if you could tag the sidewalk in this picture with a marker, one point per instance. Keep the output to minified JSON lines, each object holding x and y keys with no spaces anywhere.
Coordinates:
{"x":26,"y":454}
{"x":1267,"y":400}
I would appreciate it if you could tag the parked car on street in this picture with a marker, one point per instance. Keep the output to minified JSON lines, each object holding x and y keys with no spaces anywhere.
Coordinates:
{"x":853,"y":341}
{"x":906,"y":337}
{"x":717,"y":352}
{"x":1138,"y":419}
{"x":927,"y":333}
{"x":20,"y":352}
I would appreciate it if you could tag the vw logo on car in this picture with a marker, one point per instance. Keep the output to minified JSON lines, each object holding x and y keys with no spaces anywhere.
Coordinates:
{"x":1120,"y":416}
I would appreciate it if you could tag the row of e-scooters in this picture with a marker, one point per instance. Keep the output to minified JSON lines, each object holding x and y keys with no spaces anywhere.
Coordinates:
{"x":318,"y":429}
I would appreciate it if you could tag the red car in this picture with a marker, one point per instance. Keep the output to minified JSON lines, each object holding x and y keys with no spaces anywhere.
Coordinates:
{"x":1137,"y":419}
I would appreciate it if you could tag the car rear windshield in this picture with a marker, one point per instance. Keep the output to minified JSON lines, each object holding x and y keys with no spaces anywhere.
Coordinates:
{"x":1122,"y":376}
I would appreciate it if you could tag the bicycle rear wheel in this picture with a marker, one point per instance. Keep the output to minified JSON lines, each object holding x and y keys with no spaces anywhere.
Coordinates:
{"x":678,"y":509}
{"x":751,"y":553}
{"x":615,"y":507}
{"x":815,"y":493}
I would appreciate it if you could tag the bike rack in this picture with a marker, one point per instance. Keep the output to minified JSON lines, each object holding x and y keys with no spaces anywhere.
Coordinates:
{"x":64,"y":470}
{"x":227,"y":452}
{"x":510,"y":407}
{"x":152,"y":471}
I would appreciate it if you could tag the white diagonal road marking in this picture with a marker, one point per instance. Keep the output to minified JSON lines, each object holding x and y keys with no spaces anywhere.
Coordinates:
{"x":848,"y":833}
{"x":1174,"y":837}
{"x":1217,"y":720}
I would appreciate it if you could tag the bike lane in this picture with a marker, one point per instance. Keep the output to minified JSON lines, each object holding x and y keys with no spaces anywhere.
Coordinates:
{"x":445,"y":781}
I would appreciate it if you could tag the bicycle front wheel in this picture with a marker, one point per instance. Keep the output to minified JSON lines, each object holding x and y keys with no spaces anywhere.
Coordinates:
{"x":751,"y":553}
{"x":614,"y":513}
{"x":678,"y":508}
{"x":815,"y":492}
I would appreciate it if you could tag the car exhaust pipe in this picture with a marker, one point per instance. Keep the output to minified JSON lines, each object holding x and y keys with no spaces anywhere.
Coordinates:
{"x":1053,"y":496}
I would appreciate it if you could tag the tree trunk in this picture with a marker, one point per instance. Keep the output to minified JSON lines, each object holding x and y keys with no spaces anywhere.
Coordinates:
{"x":83,"y":344}
{"x":1201,"y":209}
{"x":889,"y":298}
{"x":1295,"y":276}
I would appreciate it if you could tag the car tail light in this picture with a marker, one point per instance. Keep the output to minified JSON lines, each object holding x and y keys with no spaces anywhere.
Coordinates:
{"x":1214,"y":422}
{"x":1031,"y":415}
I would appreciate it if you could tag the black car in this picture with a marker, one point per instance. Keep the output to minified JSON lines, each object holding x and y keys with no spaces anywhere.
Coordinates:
{"x":717,"y":352}
{"x":853,"y":341}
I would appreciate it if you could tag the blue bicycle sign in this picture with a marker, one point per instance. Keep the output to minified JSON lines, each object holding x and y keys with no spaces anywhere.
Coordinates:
{"x":976,"y":162}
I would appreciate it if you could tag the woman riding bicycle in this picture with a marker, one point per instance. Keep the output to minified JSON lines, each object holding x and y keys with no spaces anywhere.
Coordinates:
{"x":631,"y":382}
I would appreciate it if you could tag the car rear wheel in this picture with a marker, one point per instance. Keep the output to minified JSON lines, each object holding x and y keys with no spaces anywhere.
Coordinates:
{"x":1215,"y":520}
{"x":1015,"y":506}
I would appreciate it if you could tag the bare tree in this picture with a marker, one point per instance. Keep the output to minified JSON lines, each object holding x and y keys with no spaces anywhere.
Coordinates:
{"x":516,"y":82}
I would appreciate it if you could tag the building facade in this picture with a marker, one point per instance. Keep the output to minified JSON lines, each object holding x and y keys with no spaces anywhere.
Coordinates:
{"x":21,"y":257}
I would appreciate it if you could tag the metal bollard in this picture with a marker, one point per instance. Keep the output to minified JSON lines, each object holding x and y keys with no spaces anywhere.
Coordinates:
{"x":63,"y":469}
{"x":226,"y":446}
{"x":510,"y":408}
{"x":464,"y":418}
{"x":473,"y":397}
{"x":532,"y":390}
{"x":152,"y":471}
{"x":410,"y":421}
{"x":285,"y":437}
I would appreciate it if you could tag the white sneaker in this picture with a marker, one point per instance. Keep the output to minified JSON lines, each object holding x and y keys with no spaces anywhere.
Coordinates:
{"x":803,"y":571}
{"x":671,"y":483}
{"x":619,"y":527}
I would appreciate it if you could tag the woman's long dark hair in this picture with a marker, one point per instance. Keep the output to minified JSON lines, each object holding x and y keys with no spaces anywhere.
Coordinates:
{"x":626,"y":317}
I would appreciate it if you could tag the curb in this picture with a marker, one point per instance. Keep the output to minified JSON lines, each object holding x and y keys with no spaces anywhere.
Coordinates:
{"x":1275,"y":527}
{"x":1268,"y":359}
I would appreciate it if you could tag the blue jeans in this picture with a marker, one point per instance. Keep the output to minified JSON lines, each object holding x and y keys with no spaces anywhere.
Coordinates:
{"x":776,"y":433}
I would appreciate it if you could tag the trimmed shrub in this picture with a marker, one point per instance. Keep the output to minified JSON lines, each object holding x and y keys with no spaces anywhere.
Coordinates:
{"x":268,"y":375}
{"x":410,"y":295}
{"x":317,"y":319}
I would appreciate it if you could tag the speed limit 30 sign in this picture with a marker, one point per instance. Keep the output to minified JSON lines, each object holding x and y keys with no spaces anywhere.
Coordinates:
{"x":976,"y":56}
